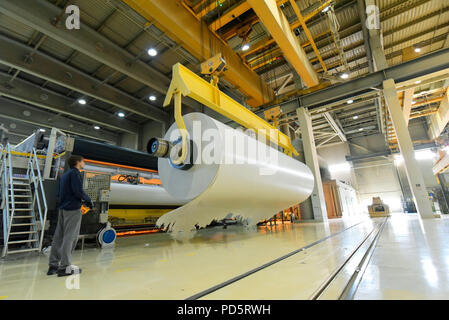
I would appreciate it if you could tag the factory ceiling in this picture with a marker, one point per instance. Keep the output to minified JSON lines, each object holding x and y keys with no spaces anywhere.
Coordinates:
{"x":107,"y":66}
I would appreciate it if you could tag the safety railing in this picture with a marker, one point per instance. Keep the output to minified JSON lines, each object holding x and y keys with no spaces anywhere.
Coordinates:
{"x":8,"y":203}
{"x":5,"y":202}
{"x":35,"y":175}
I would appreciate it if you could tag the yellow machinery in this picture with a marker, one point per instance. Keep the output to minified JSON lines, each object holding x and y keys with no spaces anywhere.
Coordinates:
{"x":214,"y":67}
{"x":273,"y":114}
{"x":186,"y":83}
{"x":378,"y":208}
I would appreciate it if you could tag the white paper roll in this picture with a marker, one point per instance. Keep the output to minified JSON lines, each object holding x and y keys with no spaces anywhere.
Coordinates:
{"x":127,"y":194}
{"x":255,"y":189}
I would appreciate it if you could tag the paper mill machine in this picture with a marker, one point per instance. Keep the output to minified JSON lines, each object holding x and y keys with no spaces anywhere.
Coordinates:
{"x":123,"y":184}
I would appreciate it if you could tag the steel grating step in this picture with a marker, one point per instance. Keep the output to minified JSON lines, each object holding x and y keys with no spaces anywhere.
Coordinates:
{"x":22,"y":241}
{"x":23,"y":250}
{"x":23,"y":224}
{"x":22,"y":232}
{"x":22,"y":217}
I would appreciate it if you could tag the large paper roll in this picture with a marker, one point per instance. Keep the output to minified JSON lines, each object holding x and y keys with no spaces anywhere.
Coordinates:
{"x":128,"y":194}
{"x":246,"y":179}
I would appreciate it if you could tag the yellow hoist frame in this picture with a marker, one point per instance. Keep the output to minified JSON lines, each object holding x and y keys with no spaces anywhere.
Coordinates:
{"x":186,"y":83}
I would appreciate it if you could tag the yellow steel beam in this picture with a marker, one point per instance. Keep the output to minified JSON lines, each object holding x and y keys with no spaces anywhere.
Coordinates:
{"x":295,"y":25}
{"x":266,"y":54}
{"x":258,"y":46}
{"x":263,"y":63}
{"x":252,"y":20}
{"x":277,"y":25}
{"x":208,"y":8}
{"x":268,"y":41}
{"x":194,"y":35}
{"x":199,"y":4}
{"x":308,"y":34}
{"x":311,"y":14}
{"x":185,"y":82}
{"x":229,"y":15}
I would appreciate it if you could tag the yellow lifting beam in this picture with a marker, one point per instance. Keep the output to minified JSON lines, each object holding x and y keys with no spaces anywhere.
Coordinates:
{"x":186,"y":83}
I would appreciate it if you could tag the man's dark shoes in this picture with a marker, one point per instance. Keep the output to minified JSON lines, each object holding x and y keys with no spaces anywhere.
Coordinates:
{"x":52,"y":270}
{"x":68,"y":271}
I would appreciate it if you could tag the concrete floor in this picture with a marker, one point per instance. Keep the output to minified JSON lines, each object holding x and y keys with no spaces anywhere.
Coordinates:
{"x":411,"y":261}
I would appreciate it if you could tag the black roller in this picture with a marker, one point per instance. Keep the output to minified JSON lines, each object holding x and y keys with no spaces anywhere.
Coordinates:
{"x":109,"y":153}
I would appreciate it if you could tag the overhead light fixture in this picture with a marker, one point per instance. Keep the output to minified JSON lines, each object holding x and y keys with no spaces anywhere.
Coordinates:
{"x":418,"y":82}
{"x":121,"y":114}
{"x":42,"y":130}
{"x":360,"y":129}
{"x":152,"y":52}
{"x":325,"y":9}
{"x":344,"y":75}
{"x":152,"y":98}
{"x":350,"y":101}
{"x":413,"y":102}
{"x":82,"y":101}
{"x":417,"y":49}
{"x":97,"y":127}
{"x":245,"y":47}
{"x":355,"y":117}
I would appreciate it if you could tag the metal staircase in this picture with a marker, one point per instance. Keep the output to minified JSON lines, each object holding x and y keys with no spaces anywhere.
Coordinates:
{"x":24,"y":206}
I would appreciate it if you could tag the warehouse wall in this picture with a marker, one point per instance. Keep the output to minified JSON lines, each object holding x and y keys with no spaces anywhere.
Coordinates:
{"x":378,"y":179}
{"x":376,"y":176}
{"x":334,"y":155}
{"x":129,"y":140}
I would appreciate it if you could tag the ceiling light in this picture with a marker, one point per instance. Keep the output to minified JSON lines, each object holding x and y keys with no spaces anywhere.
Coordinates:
{"x":82,"y":101}
{"x":355,"y":117}
{"x":344,"y":75}
{"x":350,"y":101}
{"x":121,"y":114}
{"x":360,"y":129}
{"x":418,"y":82}
{"x":245,"y":47}
{"x":413,"y":102}
{"x":417,"y":50}
{"x":42,"y":130}
{"x":152,"y":52}
{"x":325,"y":9}
{"x":97,"y":128}
{"x":152,"y":98}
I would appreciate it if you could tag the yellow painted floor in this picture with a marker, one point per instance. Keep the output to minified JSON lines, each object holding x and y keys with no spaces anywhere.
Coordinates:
{"x":155,"y":266}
